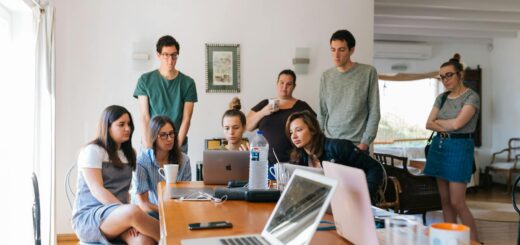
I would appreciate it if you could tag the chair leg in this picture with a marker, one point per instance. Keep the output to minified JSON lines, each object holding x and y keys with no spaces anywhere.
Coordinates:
{"x":508,"y":183}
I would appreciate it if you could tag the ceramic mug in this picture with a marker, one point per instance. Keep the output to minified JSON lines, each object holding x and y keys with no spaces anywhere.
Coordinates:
{"x":449,"y":234}
{"x":169,"y":172}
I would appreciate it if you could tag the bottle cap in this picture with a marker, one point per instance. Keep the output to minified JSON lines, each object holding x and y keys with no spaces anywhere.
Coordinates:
{"x":259,"y":132}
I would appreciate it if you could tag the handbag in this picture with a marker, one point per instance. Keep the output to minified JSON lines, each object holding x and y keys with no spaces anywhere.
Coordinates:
{"x":429,"y":141}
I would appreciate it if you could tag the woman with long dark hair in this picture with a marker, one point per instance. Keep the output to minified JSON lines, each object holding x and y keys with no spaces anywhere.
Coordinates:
{"x":165,"y":150}
{"x":311,"y":148}
{"x":450,"y":158}
{"x":101,"y":211}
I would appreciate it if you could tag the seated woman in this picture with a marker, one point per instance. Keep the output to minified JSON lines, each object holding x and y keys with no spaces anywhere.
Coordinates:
{"x":234,"y":123}
{"x":101,"y":211}
{"x":311,"y":147}
{"x":165,"y":150}
{"x":271,"y":119}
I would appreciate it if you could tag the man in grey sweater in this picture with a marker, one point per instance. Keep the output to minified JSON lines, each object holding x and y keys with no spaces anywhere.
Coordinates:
{"x":349,"y":95}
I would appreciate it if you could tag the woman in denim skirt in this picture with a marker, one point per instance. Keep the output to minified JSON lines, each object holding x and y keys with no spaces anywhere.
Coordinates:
{"x":450,"y":158}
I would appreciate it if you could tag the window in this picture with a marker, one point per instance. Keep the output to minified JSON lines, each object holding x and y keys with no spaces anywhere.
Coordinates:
{"x":405,"y":106}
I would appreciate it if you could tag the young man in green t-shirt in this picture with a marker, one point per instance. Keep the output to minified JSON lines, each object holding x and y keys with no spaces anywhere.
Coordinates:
{"x":166,"y":91}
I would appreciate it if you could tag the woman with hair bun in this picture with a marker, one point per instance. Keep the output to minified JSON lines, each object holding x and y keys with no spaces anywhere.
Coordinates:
{"x":450,"y":158}
{"x":234,"y":124}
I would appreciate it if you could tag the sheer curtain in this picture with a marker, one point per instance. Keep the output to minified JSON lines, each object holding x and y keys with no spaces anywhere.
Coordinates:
{"x":44,"y":115}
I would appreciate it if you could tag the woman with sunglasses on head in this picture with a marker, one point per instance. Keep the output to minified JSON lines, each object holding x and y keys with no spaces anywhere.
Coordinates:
{"x":165,"y":150}
{"x":450,"y":157}
{"x":234,"y":125}
{"x":311,"y":148}
{"x":101,"y":211}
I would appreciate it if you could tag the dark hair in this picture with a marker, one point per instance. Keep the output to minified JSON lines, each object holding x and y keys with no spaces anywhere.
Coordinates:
{"x":157,"y":122}
{"x":346,"y":36}
{"x":234,"y":111}
{"x":105,"y":141}
{"x":455,"y":62}
{"x":167,"y":41}
{"x":288,"y":72}
{"x":317,"y":136}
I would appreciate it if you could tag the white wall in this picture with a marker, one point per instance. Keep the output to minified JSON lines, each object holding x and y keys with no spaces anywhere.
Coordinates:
{"x":95,"y":40}
{"x":505,"y":105}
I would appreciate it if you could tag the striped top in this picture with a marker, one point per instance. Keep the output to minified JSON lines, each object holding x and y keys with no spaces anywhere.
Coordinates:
{"x":146,"y":175}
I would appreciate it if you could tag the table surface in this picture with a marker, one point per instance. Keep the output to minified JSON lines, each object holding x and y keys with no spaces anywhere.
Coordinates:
{"x":246,"y":217}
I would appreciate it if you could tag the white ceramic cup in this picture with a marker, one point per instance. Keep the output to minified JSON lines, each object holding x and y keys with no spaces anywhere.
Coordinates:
{"x":449,"y":234}
{"x":275,"y":104}
{"x":169,"y":172}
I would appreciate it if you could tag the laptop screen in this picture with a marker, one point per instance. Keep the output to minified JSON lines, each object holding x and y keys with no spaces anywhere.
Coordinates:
{"x":292,"y":221}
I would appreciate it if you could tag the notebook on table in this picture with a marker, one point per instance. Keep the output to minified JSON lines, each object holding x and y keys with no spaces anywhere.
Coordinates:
{"x":221,"y":166}
{"x":294,"y":219}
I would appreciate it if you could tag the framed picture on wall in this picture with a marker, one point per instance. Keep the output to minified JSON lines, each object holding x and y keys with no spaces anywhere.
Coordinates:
{"x":222,"y":68}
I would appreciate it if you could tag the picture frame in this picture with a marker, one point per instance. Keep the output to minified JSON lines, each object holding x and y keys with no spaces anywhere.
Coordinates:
{"x":222,"y":68}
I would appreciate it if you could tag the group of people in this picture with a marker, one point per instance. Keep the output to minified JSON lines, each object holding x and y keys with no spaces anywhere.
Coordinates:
{"x":342,"y":132}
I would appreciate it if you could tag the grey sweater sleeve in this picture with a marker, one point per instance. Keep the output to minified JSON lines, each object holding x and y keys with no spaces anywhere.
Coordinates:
{"x":374,"y":113}
{"x":322,"y":114}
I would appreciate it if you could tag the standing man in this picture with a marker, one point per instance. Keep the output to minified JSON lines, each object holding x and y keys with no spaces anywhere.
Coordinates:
{"x":166,"y":91}
{"x":349,"y":95}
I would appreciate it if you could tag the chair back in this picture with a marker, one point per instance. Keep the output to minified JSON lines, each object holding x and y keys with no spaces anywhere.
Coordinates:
{"x":513,"y":146}
{"x":36,"y":210}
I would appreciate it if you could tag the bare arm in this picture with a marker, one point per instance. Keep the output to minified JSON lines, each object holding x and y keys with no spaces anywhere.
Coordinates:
{"x":145,"y":204}
{"x":186,"y":120}
{"x":431,"y":124}
{"x":145,"y":120}
{"x":253,"y":117}
{"x":457,"y":123}
{"x":94,"y":181}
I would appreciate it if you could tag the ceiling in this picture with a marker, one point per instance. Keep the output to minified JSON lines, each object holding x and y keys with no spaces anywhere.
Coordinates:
{"x":446,"y":20}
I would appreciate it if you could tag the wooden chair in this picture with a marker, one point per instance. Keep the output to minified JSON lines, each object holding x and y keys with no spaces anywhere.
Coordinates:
{"x":217,"y":143}
{"x":407,"y":193}
{"x":509,"y":165}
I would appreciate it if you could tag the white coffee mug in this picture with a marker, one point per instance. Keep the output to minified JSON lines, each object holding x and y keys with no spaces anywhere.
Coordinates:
{"x":169,"y":172}
{"x":275,"y":104}
{"x":449,"y":234}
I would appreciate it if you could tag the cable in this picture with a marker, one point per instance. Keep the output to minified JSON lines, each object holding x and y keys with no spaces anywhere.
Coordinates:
{"x":69,"y":193}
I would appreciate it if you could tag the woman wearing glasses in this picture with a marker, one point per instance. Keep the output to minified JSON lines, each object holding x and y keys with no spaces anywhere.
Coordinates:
{"x":165,"y":150}
{"x":450,"y":157}
{"x":101,"y":211}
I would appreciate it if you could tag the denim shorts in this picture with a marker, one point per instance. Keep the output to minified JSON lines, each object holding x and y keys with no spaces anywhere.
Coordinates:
{"x":450,"y":159}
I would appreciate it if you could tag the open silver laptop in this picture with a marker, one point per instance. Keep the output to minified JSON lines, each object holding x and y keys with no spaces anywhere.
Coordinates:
{"x":221,"y":166}
{"x":351,"y":204}
{"x":290,"y":168}
{"x":294,"y":219}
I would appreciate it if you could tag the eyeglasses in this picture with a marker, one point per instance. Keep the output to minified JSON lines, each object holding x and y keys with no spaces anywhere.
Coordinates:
{"x":173,"y":56}
{"x":164,"y":136}
{"x":447,"y":76}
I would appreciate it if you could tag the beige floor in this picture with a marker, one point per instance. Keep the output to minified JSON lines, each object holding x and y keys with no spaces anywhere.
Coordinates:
{"x":492,"y":233}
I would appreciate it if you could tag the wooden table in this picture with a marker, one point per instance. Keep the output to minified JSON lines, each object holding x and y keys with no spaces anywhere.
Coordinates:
{"x":246,"y":217}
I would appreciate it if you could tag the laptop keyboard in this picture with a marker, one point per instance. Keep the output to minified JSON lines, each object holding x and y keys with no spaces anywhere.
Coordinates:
{"x":248,"y":240}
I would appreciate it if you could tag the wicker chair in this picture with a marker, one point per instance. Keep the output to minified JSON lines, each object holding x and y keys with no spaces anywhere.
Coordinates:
{"x":407,"y":193}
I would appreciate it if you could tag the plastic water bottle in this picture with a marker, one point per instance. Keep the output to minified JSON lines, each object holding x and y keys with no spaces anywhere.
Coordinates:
{"x":258,"y":164}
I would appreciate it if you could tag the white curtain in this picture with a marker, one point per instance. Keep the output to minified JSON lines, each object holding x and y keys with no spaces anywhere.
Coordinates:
{"x":44,"y":116}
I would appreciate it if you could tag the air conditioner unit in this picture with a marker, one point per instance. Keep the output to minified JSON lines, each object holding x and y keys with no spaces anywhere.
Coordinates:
{"x":390,"y":50}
